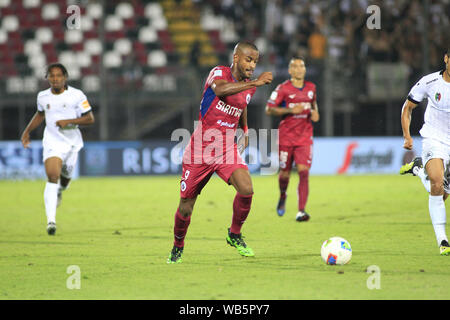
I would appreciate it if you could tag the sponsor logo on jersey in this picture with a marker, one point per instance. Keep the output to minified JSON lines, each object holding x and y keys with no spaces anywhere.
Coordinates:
{"x":437,"y":96}
{"x":292,"y":96}
{"x":232,"y":111}
{"x":310,"y":94}
{"x":183,"y":186}
{"x":248,"y":98}
{"x":225,"y":124}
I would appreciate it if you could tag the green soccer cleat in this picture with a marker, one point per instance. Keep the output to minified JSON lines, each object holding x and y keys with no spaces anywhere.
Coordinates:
{"x":444,"y":248}
{"x":409,"y":167}
{"x":175,"y":255}
{"x":235,"y":240}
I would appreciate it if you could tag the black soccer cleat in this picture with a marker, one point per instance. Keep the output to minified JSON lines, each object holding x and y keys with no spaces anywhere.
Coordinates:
{"x":302,"y":216}
{"x":175,"y":255}
{"x":409,"y":167}
{"x":51,"y":228}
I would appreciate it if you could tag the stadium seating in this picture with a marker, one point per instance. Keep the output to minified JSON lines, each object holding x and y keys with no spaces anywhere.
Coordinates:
{"x":155,"y":34}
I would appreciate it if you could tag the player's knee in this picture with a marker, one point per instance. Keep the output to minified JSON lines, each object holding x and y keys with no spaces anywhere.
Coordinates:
{"x":437,"y":187}
{"x":246,"y":190}
{"x":185,"y":209}
{"x":53,"y":177}
{"x":284,"y":174}
{"x":436,"y":182}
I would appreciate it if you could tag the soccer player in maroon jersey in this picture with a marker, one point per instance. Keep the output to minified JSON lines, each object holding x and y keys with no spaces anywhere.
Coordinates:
{"x":226,"y":94}
{"x":295,"y":101}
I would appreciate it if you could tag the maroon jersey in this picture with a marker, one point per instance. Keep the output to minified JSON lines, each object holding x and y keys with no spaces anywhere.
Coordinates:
{"x":219,"y":118}
{"x":294,"y":129}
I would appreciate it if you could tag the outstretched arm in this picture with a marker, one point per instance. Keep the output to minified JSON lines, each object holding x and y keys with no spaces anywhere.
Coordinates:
{"x":35,"y":122}
{"x":408,"y":106}
{"x":223,"y":88}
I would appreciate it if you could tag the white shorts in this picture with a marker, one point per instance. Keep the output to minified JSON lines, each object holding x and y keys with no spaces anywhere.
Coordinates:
{"x":434,"y":149}
{"x":69,"y":159}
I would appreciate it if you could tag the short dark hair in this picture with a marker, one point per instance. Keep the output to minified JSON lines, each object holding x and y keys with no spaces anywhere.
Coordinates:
{"x":244,"y":44}
{"x":56,"y":65}
{"x":298,"y":57}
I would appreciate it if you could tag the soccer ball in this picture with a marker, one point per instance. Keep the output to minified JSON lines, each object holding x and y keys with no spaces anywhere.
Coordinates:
{"x":336,"y":250}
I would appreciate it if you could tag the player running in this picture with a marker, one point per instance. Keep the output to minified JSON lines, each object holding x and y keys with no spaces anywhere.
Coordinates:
{"x":416,"y":168}
{"x":226,"y":94}
{"x":435,"y":132}
{"x":63,"y":108}
{"x":295,"y":101}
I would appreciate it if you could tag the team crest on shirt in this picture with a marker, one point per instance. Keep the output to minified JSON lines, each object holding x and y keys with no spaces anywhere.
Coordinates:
{"x":437,"y":96}
{"x":247,"y":98}
{"x":310,"y":94}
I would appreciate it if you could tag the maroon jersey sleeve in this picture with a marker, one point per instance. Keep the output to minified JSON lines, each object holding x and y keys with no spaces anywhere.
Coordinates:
{"x":217,"y":73}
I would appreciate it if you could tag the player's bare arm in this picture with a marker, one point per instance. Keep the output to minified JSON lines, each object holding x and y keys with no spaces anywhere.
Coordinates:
{"x":315,"y":117}
{"x":281,"y":111}
{"x":86,"y":119}
{"x":243,"y":141}
{"x":407,"y":109}
{"x":35,"y":122}
{"x":223,"y":88}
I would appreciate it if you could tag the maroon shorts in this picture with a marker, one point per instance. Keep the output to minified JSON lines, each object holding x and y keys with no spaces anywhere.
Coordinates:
{"x":299,"y":154}
{"x":196,"y":176}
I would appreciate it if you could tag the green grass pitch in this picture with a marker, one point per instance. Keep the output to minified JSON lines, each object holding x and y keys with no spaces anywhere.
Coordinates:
{"x":118,"y":231}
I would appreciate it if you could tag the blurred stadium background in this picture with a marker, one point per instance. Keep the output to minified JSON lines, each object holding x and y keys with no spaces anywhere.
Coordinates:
{"x":142,"y":64}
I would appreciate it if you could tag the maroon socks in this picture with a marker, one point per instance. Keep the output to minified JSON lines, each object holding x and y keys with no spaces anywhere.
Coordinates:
{"x":241,"y":208}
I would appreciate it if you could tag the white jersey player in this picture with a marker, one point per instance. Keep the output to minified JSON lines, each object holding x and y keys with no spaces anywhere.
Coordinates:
{"x":63,"y":108}
{"x":435,"y":132}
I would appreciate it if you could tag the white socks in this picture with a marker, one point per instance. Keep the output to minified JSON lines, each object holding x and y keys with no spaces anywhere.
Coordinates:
{"x":436,"y":206}
{"x":420,"y":172}
{"x":50,"y":200}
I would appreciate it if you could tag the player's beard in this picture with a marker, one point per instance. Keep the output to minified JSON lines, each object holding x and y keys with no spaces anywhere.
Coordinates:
{"x":243,"y":73}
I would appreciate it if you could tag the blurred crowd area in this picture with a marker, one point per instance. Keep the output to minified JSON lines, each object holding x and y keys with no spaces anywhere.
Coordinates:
{"x":145,"y":61}
{"x":301,"y":27}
